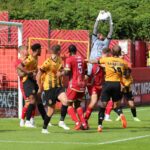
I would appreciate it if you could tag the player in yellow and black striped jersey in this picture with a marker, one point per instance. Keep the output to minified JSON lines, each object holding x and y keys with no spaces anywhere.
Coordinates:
{"x":53,"y":90}
{"x":51,"y":67}
{"x":30,"y":66}
{"x":126,"y":82}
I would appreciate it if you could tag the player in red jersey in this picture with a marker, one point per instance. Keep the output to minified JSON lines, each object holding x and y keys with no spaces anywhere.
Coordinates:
{"x":95,"y":84}
{"x":23,"y":55}
{"x":75,"y":67}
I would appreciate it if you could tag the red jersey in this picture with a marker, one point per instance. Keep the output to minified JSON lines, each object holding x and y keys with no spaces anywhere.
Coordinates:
{"x":97,"y":76}
{"x":95,"y":81}
{"x":77,"y":66}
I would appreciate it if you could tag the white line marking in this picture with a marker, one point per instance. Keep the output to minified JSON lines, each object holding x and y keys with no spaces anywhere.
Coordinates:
{"x":75,"y":143}
{"x":123,"y":140}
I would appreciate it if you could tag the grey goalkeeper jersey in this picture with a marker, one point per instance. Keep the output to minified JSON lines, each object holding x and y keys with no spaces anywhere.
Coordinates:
{"x":96,"y":51}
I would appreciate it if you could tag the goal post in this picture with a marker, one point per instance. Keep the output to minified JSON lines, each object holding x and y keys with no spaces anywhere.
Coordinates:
{"x":20,"y":37}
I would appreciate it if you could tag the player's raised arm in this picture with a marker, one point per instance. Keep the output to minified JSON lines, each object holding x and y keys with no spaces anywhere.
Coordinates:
{"x":94,"y":61}
{"x":95,"y":29}
{"x":109,"y":36}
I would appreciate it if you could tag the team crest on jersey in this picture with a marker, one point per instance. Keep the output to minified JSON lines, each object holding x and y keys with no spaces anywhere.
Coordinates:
{"x":67,"y":66}
{"x":49,"y":101}
{"x":33,"y":91}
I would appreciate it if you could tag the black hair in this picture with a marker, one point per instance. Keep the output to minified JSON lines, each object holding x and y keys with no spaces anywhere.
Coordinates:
{"x":72,"y":49}
{"x":35,"y":47}
{"x":56,"y":48}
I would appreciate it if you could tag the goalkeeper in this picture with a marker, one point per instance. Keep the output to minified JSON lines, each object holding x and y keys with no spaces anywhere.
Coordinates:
{"x":98,"y":40}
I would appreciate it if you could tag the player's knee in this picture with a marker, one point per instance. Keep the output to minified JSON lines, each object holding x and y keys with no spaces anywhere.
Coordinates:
{"x":32,"y":99}
{"x":103,"y":104}
{"x":50,"y":110}
{"x":64,"y":102}
{"x":63,"y":98}
{"x":27,"y":104}
{"x":131,"y":104}
{"x":91,"y":105}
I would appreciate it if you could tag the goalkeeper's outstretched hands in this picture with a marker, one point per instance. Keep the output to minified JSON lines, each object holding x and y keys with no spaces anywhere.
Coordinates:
{"x":110,"y":17}
{"x":104,"y":15}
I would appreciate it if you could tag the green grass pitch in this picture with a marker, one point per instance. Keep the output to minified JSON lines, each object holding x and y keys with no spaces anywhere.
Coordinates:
{"x":113,"y":137}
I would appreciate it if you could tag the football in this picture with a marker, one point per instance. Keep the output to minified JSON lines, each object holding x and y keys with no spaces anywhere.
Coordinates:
{"x":104,"y":16}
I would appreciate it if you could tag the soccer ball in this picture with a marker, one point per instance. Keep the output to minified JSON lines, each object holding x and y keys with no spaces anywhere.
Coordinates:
{"x":104,"y":16}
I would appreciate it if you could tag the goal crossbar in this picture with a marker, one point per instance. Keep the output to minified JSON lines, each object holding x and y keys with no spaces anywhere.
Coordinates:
{"x":59,"y":41}
{"x":11,"y":23}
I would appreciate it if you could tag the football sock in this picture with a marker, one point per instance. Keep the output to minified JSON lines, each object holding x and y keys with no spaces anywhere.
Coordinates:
{"x":81,"y":115}
{"x":41,"y":110}
{"x":101,"y":115}
{"x":46,"y":121}
{"x":33,"y":113}
{"x":109,"y":107}
{"x":118,"y":111}
{"x":29,"y":111}
{"x":72,"y":114}
{"x":133,"y":111}
{"x":24,"y":110}
{"x":63,"y":112}
{"x":88,"y":113}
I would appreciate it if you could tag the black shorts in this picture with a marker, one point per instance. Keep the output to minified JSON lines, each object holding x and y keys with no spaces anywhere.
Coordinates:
{"x":111,"y":90}
{"x":30,"y":87}
{"x":51,"y":95}
{"x":128,"y":96}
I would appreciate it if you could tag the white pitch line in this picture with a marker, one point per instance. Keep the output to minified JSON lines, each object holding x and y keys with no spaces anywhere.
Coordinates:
{"x":123,"y":140}
{"x":75,"y":143}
